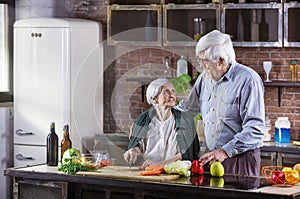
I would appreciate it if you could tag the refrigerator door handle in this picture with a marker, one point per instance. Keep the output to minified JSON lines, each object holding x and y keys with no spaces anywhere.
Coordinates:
{"x":22,"y":133}
{"x":21,"y":157}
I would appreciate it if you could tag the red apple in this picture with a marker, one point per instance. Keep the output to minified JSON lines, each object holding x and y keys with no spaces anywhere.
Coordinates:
{"x":278,"y":177}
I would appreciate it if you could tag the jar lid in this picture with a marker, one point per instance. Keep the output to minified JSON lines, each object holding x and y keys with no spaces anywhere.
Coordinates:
{"x":294,"y":61}
{"x":283,"y":118}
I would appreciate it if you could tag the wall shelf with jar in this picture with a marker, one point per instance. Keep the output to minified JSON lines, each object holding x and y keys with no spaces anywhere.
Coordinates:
{"x":184,"y":24}
{"x":250,"y":24}
{"x":291,"y":24}
{"x":253,"y":24}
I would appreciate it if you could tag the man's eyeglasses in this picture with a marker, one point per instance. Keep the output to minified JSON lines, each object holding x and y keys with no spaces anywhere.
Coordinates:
{"x":203,"y":62}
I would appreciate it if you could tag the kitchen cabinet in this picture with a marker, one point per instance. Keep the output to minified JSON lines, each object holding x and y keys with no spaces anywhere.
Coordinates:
{"x":178,"y":22}
{"x":279,"y":154}
{"x":253,"y":24}
{"x":249,"y":24}
{"x":134,"y":25}
{"x":291,"y":24}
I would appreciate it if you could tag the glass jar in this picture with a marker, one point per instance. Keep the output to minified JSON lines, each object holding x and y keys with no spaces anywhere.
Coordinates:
{"x":294,"y":70}
{"x":199,"y":28}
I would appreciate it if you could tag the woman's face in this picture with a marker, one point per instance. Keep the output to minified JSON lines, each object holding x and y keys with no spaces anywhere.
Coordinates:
{"x":167,"y":96}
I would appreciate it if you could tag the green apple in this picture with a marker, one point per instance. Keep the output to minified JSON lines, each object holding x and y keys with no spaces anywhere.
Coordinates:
{"x":216,"y":169}
{"x":285,"y":169}
{"x":216,"y":182}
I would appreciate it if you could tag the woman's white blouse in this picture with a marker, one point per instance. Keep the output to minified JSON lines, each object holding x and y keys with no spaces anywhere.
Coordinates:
{"x":160,"y":141}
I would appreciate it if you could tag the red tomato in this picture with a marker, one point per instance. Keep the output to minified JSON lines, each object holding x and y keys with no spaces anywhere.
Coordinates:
{"x":197,"y":180}
{"x":197,"y":168}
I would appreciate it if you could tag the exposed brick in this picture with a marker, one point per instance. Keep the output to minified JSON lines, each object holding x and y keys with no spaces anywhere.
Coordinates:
{"x":133,"y":61}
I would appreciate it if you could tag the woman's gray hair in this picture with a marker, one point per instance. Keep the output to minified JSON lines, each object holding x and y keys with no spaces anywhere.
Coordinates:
{"x":216,"y":45}
{"x":154,"y":89}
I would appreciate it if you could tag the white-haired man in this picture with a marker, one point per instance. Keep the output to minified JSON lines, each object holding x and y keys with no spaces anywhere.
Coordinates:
{"x":230,"y":97}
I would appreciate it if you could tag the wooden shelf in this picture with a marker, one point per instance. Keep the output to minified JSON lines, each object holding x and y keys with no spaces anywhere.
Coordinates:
{"x":279,"y":85}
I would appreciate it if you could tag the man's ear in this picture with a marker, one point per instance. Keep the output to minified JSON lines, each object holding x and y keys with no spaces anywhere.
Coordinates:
{"x":220,"y":62}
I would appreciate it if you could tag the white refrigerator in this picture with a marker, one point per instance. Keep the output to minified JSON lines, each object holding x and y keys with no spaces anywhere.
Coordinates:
{"x":58,"y":77}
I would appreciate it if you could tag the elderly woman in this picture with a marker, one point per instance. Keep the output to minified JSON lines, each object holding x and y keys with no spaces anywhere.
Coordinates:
{"x":162,"y":134}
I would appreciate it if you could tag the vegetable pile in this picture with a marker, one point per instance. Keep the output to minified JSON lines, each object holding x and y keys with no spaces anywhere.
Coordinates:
{"x":179,"y":167}
{"x":71,"y":163}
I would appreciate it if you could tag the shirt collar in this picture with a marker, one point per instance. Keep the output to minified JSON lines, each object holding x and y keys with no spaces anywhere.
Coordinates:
{"x":230,"y":73}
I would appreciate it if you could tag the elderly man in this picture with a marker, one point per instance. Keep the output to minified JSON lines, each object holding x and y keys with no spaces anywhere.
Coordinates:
{"x":230,"y":97}
{"x":162,"y":134}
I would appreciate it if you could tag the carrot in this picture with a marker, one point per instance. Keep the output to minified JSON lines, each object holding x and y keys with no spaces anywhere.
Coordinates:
{"x":150,"y":173}
{"x":155,"y":167}
{"x":152,"y":170}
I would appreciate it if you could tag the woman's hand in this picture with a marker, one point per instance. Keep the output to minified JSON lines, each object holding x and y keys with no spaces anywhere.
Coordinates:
{"x":131,"y":155}
{"x":148,"y":162}
{"x":213,"y":156}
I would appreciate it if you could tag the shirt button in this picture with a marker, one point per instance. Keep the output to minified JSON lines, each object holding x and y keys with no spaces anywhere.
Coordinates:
{"x":182,"y":151}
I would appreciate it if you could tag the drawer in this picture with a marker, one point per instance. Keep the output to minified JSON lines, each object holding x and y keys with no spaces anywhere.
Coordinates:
{"x":29,"y":155}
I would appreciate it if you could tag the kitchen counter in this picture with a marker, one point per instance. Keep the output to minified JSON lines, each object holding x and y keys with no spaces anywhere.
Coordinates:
{"x":42,"y":179}
{"x":281,"y":147}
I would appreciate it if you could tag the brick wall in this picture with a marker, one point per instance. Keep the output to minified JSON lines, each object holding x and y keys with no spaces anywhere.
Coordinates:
{"x":123,"y":100}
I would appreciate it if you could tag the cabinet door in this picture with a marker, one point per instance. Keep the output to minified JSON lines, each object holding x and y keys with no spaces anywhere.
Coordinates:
{"x":134,"y":25}
{"x":291,"y":24}
{"x":178,"y":22}
{"x":253,"y":24}
{"x":29,"y":155}
{"x":40,"y":55}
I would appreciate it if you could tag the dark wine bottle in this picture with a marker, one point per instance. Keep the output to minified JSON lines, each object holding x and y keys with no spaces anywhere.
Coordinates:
{"x":66,"y":142}
{"x":52,"y":147}
{"x":263,"y":27}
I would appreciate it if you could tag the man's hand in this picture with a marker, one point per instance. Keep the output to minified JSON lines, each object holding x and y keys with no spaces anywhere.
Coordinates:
{"x":213,"y":156}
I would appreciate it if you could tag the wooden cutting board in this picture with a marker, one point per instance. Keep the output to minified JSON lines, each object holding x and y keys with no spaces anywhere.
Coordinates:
{"x":123,"y":172}
{"x":279,"y":190}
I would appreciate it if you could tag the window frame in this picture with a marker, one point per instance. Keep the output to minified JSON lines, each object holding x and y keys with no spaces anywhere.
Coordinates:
{"x":8,"y":96}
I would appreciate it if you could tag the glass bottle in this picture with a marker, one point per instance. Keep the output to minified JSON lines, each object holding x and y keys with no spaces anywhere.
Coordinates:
{"x":149,"y":27}
{"x":294,"y":70}
{"x":254,"y":27}
{"x":196,"y":29}
{"x":66,"y":142}
{"x":182,"y":67}
{"x":240,"y":27}
{"x":263,"y":27}
{"x":52,"y":147}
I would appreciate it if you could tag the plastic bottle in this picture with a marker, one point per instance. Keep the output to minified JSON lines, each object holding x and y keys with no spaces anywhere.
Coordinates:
{"x":182,"y":67}
{"x":267,"y":133}
{"x":66,"y":142}
{"x":52,"y":147}
{"x":282,"y":130}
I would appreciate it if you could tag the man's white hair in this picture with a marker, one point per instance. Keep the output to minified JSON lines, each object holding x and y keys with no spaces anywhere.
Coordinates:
{"x":154,"y":89}
{"x":216,"y":45}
